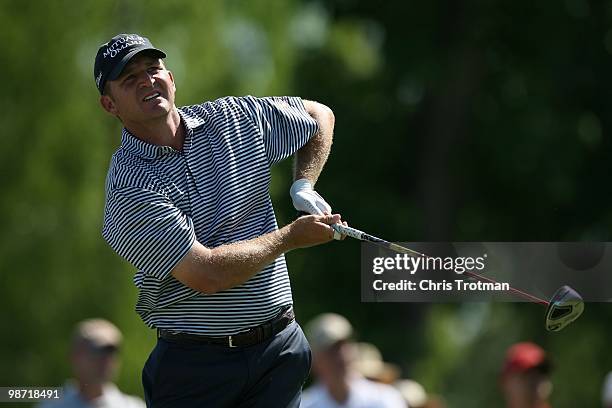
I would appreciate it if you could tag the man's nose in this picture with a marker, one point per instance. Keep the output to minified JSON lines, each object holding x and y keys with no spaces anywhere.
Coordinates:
{"x":146,"y":80}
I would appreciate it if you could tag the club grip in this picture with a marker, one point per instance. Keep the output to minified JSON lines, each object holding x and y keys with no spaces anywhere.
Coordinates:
{"x":342,"y":229}
{"x":348,"y":231}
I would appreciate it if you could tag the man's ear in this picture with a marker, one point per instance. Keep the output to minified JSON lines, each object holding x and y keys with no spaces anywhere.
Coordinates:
{"x":108,"y":104}
{"x":172,"y":79}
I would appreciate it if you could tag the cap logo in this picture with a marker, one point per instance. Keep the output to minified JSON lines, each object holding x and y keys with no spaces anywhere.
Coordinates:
{"x":121,"y":43}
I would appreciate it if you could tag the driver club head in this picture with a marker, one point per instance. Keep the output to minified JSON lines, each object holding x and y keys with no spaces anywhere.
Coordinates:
{"x":564,"y":307}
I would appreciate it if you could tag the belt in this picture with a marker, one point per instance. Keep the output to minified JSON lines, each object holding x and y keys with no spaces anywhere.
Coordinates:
{"x":253,"y":336}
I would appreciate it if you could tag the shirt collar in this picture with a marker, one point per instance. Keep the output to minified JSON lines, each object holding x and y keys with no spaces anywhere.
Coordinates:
{"x":191,"y":118}
{"x":191,"y":121}
{"x":141,"y":148}
{"x":147,"y":150}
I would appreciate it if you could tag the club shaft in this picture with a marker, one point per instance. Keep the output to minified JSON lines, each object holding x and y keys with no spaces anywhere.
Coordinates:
{"x":362,"y":236}
{"x":517,"y":292}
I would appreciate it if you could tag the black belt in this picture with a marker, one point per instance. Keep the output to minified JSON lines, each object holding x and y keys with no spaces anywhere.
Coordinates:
{"x":250,"y":337}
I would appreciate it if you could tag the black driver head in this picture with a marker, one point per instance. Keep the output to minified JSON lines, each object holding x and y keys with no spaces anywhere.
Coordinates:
{"x":565,"y":306}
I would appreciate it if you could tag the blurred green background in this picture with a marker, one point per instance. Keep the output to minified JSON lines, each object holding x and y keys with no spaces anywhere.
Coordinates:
{"x":455,"y":121}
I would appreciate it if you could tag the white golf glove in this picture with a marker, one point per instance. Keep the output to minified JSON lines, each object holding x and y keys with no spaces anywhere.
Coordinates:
{"x":307,"y":200}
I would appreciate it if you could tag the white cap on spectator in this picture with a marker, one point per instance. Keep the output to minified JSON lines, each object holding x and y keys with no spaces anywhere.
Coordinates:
{"x":413,"y":392}
{"x":370,"y":364}
{"x":326,"y":330}
{"x":98,"y":333}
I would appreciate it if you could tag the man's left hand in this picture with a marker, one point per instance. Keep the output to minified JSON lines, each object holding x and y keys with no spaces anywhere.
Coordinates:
{"x":307,"y":200}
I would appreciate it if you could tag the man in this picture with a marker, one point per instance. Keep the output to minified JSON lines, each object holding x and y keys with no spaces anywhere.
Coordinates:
{"x":187,"y":203}
{"x":339,"y":384}
{"x":525,"y":378}
{"x":93,"y":356}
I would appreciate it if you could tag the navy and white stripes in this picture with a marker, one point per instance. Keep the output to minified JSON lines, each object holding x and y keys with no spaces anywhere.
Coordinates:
{"x":159,"y":200}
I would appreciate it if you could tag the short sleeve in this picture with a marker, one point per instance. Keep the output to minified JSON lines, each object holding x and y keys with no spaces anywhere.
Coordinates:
{"x":146,"y":229}
{"x":283,"y":122}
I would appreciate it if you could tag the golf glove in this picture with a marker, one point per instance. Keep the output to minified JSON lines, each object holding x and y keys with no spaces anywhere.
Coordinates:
{"x":307,"y":200}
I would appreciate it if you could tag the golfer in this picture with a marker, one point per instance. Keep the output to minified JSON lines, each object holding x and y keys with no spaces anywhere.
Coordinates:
{"x":188,"y":205}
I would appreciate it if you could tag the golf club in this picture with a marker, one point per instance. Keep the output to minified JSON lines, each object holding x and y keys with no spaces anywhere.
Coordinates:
{"x":563,"y":308}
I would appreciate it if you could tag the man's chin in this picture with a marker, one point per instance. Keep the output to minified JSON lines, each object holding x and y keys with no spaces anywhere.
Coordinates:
{"x":158,"y":110}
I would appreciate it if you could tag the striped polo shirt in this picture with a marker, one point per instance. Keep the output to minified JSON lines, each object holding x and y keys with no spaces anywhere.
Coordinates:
{"x":216,"y":190}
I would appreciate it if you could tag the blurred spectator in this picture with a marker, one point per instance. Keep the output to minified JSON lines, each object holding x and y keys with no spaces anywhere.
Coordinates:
{"x":94,"y":359}
{"x":369,"y":363}
{"x":606,"y":392}
{"x":525,"y":377}
{"x":338,"y":383}
{"x":435,"y":401}
{"x":414,"y":394}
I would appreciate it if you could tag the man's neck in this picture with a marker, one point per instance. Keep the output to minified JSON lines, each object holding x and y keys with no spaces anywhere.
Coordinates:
{"x":165,"y":131}
{"x":338,"y":389}
{"x":90,"y":391}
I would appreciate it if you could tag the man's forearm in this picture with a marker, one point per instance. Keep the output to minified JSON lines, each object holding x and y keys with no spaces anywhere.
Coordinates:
{"x":213,"y":270}
{"x":237,"y":262}
{"x":311,"y":158}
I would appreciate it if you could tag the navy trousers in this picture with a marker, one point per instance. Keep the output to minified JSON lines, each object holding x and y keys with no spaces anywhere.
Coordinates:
{"x":269,"y":374}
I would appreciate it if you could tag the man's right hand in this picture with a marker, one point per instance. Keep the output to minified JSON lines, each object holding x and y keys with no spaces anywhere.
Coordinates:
{"x":310,"y":230}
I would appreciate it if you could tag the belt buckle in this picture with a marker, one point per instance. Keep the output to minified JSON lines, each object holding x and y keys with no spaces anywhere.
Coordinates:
{"x":230,"y":342}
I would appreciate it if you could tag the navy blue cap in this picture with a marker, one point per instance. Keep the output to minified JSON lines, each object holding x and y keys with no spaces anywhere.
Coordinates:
{"x":113,"y":56}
